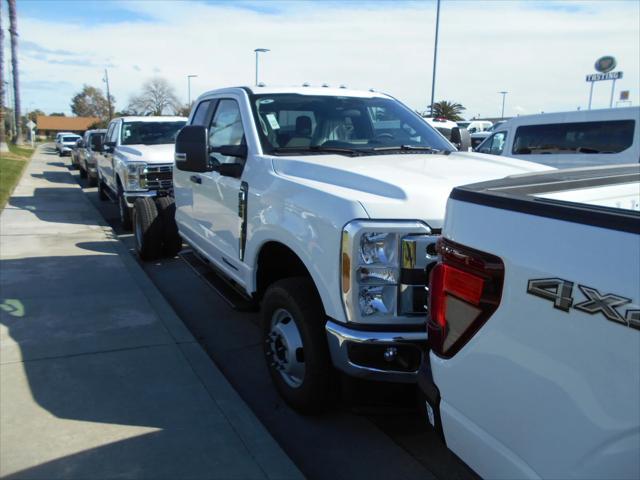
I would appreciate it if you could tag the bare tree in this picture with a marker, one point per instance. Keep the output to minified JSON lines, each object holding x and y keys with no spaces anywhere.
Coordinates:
{"x":13,"y":30}
{"x":157,"y":97}
{"x":3,"y":141}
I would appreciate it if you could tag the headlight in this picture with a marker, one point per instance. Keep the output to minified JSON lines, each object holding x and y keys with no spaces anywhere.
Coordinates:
{"x":136,"y":179}
{"x":371,"y":268}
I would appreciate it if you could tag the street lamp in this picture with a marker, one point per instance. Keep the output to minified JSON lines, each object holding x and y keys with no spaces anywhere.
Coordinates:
{"x":504,"y":94}
{"x":189,"y":77}
{"x":259,"y":50}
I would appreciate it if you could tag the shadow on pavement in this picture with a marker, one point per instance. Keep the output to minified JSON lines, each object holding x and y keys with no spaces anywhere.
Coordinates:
{"x":85,"y":347}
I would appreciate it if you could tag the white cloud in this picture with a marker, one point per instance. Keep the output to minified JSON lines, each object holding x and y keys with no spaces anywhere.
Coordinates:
{"x":539,"y":52}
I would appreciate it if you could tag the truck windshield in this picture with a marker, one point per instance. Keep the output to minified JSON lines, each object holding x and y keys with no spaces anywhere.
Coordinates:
{"x":311,"y":124}
{"x":70,"y":139}
{"x":150,"y":133}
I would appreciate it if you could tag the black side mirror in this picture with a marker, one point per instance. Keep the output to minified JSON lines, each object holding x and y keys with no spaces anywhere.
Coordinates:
{"x":239,"y":151}
{"x":192,"y":149}
{"x":96,"y":143}
{"x":230,"y":169}
{"x":461,"y":139}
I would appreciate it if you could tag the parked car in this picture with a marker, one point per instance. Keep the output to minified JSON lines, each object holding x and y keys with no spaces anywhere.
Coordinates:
{"x":478,"y":137}
{"x":85,"y":156}
{"x":534,"y":329}
{"x":442,"y":125}
{"x":463,"y":124}
{"x":136,"y":160}
{"x":66,"y":143}
{"x":58,"y":135}
{"x":315,"y":203}
{"x":570,"y":139}
{"x":479,"y":126}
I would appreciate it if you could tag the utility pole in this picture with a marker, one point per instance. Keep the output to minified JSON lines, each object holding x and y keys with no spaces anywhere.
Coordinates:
{"x":106,"y":80}
{"x":504,"y":95}
{"x":435,"y":58}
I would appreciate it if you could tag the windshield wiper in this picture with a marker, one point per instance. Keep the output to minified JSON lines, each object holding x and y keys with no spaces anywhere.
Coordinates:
{"x":418,"y":148}
{"x":320,"y":149}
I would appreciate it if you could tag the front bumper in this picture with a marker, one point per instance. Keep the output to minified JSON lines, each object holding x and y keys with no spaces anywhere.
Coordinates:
{"x":366,"y":353}
{"x":131,"y":197}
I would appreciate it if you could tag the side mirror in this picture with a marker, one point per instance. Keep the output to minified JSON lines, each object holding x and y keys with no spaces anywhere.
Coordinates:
{"x":192,"y":149}
{"x":461,"y":139}
{"x":230,"y":169}
{"x":239,"y":151}
{"x":96,"y":143}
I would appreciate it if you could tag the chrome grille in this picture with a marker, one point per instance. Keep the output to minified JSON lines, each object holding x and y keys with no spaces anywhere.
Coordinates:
{"x":158,"y":177}
{"x":418,"y":258}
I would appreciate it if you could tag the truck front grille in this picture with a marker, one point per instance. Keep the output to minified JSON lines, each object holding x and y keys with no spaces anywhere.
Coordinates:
{"x":418,"y":258}
{"x":159,"y":177}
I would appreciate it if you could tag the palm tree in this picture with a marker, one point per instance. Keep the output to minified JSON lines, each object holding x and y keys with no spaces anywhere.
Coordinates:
{"x":3,"y":141}
{"x":13,"y":30}
{"x":448,"y":110}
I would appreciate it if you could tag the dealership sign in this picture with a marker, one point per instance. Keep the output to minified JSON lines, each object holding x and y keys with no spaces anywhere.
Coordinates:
{"x":597,"y":77}
{"x":605,"y":64}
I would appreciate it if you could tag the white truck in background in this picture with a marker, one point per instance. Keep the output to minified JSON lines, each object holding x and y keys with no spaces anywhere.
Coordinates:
{"x":135,"y":159}
{"x":316,"y":203}
{"x":534,"y":326}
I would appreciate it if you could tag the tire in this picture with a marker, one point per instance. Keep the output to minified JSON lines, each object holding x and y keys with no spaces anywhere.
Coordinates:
{"x":304,"y":382}
{"x":172,"y":242}
{"x":125,"y":211}
{"x":83,"y":172}
{"x":147,"y":228}
{"x":92,"y":181}
{"x":102,"y":192}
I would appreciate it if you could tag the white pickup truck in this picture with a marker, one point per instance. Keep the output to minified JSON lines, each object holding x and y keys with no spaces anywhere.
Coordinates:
{"x":534,"y":326}
{"x":317,"y":203}
{"x":135,"y":159}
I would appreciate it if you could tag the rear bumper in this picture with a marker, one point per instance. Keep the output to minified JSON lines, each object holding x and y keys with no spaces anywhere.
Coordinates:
{"x":348,"y":346}
{"x":430,"y":396}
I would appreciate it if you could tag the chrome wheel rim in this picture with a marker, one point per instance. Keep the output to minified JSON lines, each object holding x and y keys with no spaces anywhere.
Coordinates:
{"x":284,"y":348}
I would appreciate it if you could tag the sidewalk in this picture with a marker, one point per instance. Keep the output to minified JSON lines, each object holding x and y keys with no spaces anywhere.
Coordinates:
{"x":98,"y":376}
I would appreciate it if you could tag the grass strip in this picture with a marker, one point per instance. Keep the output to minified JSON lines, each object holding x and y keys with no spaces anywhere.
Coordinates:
{"x":12,"y":165}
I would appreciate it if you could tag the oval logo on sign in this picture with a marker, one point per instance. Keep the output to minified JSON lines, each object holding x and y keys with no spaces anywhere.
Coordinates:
{"x":605,"y":64}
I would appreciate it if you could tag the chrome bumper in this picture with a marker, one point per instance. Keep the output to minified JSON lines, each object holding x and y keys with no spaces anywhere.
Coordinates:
{"x":340,"y":336}
{"x":131,"y":197}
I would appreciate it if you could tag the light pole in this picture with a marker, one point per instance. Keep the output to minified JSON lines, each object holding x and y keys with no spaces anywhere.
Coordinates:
{"x":259,"y":50}
{"x":189,"y":77}
{"x":106,"y":80}
{"x":435,"y":57}
{"x":504,"y":95}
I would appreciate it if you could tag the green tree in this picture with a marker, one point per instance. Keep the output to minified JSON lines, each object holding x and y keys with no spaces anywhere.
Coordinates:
{"x":449,"y":110}
{"x":33,"y":115}
{"x":91,"y":102}
{"x":156,"y":98}
{"x":57,"y":114}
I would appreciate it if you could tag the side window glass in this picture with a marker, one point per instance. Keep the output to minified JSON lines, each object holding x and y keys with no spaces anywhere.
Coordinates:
{"x":497,"y":143}
{"x":202,"y":111}
{"x":226,"y":129}
{"x":109,"y":131}
{"x":113,"y":136}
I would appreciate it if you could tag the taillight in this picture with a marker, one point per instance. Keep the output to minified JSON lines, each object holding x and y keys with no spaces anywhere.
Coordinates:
{"x":464,"y":291}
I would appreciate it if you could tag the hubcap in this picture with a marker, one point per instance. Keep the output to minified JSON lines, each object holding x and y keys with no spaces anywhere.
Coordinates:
{"x":284,"y":348}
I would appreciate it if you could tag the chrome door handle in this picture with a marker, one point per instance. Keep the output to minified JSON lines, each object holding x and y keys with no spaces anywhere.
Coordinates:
{"x":195,"y":179}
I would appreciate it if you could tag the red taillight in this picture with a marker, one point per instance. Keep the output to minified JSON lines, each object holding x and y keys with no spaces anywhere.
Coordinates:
{"x":464,"y":291}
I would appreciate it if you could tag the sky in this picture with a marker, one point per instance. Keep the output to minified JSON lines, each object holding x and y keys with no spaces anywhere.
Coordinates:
{"x":538,"y":51}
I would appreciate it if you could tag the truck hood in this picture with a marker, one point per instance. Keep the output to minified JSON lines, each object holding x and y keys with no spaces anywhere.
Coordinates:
{"x":148,"y":153}
{"x":406,"y":186}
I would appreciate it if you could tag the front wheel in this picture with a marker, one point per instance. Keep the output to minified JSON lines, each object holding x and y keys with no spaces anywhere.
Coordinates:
{"x":147,"y":228}
{"x":102,"y":190}
{"x":295,"y":344}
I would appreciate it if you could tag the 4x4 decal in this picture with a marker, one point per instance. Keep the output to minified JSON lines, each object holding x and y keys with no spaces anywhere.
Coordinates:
{"x":560,"y":292}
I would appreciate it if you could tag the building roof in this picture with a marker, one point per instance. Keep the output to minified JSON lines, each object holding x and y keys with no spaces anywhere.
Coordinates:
{"x":45,"y":122}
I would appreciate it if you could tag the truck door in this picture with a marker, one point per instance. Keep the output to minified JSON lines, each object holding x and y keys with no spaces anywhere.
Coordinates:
{"x":216,"y":199}
{"x":185,"y":182}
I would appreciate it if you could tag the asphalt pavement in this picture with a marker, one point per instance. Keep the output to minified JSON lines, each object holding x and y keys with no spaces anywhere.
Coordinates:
{"x":99,"y":378}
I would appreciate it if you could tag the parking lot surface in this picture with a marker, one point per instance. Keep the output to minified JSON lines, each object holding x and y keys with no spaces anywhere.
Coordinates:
{"x":99,"y":378}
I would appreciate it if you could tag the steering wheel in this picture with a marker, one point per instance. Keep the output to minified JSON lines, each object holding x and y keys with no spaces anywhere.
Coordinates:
{"x":384,"y":135}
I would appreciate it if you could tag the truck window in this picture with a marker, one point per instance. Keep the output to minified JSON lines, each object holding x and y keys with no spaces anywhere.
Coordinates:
{"x":113,"y":135}
{"x":226,"y":128}
{"x":570,"y":138}
{"x":202,"y":112}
